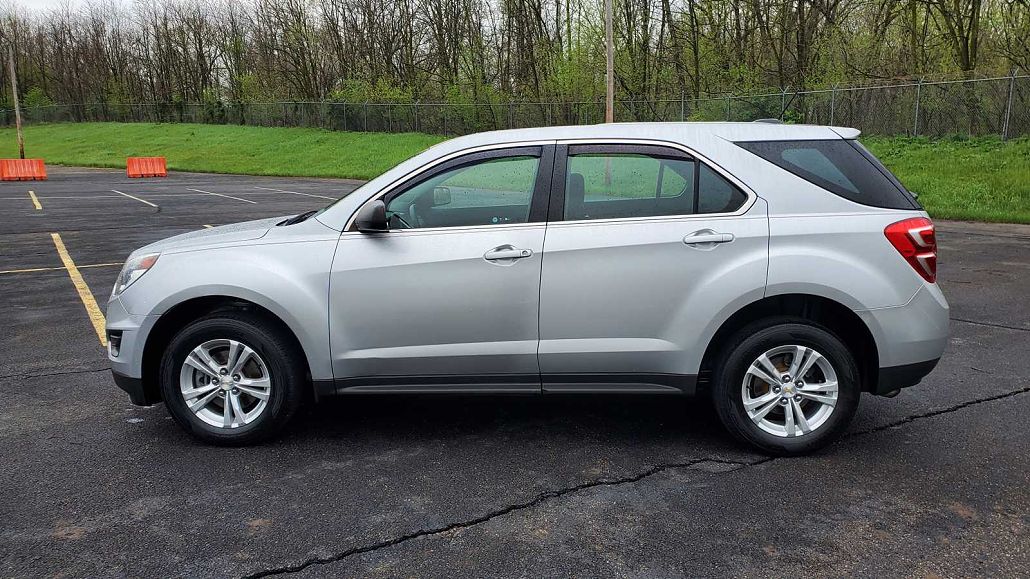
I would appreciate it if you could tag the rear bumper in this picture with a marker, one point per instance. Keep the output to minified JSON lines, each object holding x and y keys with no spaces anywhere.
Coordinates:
{"x":138,"y":393}
{"x":895,"y":377}
{"x":913,"y":334}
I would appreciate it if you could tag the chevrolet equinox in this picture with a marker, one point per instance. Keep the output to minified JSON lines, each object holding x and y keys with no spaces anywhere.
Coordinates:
{"x":780,"y":270}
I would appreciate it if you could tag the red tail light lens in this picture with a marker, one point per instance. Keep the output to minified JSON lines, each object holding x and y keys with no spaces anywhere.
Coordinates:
{"x":916,"y":241}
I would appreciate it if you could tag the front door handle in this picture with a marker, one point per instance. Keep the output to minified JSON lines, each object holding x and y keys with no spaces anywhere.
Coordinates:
{"x":506,"y":253}
{"x":707,"y":236}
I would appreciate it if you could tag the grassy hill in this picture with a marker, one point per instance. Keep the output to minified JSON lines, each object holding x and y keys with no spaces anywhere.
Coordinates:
{"x":975,"y":179}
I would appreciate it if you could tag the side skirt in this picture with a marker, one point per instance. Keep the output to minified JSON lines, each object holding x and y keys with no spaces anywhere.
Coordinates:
{"x":620,"y":383}
{"x":573,"y":383}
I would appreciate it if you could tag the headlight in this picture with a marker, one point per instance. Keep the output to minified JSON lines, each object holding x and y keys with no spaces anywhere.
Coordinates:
{"x":133,"y":270}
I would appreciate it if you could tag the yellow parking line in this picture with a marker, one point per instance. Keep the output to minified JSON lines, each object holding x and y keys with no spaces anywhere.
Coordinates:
{"x":92,"y":309}
{"x":35,"y":269}
{"x":208,"y":226}
{"x":132,"y":197}
{"x":35,"y":200}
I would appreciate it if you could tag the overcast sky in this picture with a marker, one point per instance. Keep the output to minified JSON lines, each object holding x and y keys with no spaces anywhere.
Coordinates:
{"x":44,"y":4}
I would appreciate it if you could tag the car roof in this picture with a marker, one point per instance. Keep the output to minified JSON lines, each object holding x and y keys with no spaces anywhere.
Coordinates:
{"x":686,"y":133}
{"x":713,"y":140}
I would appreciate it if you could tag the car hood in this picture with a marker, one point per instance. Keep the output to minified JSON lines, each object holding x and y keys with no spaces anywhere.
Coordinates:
{"x":215,"y":236}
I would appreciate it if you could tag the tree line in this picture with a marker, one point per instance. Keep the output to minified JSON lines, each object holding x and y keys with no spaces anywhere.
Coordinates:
{"x":490,"y":51}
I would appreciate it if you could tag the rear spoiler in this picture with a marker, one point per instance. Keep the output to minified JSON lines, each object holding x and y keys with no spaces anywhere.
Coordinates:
{"x":846,"y":132}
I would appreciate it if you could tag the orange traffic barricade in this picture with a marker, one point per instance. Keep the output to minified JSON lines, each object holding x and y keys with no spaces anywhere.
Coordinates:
{"x":22,"y":170}
{"x":146,"y":167}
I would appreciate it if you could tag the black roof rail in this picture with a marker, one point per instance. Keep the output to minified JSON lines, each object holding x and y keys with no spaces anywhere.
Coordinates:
{"x":769,"y":121}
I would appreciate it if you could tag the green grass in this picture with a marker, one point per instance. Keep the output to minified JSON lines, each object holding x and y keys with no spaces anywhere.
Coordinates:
{"x":221,"y":148}
{"x":975,"y":179}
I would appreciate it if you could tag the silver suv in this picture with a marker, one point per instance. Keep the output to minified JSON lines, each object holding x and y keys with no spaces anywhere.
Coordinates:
{"x":780,"y":270}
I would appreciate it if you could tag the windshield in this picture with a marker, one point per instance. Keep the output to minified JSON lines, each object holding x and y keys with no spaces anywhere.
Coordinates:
{"x":380,"y":181}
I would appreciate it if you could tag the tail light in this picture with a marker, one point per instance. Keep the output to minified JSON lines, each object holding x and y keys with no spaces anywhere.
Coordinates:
{"x":916,"y":241}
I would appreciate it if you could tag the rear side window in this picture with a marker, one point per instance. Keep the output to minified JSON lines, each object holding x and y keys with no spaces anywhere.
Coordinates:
{"x":618,"y":185}
{"x":621,"y":181}
{"x":840,"y":166}
{"x":715,"y":194}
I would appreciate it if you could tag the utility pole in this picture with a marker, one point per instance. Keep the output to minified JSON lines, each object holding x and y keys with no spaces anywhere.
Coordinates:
{"x":17,"y":109}
{"x":609,"y":99}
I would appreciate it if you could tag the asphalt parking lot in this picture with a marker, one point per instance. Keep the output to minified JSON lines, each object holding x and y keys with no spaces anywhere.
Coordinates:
{"x":935,"y":482}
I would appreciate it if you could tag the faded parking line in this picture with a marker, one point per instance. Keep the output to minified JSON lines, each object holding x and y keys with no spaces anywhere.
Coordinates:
{"x":35,"y":201}
{"x":133,"y":197}
{"x":296,"y":193}
{"x":222,"y":195}
{"x":92,"y":309}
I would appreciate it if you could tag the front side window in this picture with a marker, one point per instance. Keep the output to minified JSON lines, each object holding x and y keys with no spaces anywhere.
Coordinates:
{"x":487,"y":192}
{"x":625,"y":183}
{"x":840,"y":166}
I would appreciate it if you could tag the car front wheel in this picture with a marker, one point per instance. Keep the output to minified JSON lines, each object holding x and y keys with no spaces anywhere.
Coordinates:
{"x":786,"y":386}
{"x":231,"y":378}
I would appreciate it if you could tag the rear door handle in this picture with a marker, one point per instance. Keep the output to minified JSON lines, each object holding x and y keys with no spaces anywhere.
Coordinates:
{"x":506,"y":252}
{"x":706,"y":236}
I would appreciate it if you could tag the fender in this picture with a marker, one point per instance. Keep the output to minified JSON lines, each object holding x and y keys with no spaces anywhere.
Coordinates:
{"x":294,"y":289}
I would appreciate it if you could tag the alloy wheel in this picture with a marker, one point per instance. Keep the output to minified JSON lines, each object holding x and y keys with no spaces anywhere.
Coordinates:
{"x":790,"y":391}
{"x":225,"y":383}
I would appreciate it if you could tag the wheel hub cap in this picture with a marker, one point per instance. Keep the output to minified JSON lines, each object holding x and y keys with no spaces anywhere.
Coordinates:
{"x":790,"y":391}
{"x":225,"y":383}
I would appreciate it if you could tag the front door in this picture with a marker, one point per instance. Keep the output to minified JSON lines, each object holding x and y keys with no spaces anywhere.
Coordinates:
{"x":447,"y":300}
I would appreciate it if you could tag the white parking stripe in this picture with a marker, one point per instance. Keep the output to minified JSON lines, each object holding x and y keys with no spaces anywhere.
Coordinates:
{"x":153,"y":195}
{"x":136,"y":198}
{"x":296,"y":193}
{"x":221,"y":195}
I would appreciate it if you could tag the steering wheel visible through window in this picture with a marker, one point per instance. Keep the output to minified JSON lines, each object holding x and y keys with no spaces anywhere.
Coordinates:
{"x":487,"y":192}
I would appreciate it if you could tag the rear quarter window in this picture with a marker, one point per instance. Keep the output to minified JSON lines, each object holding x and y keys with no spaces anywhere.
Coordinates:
{"x":841,"y":166}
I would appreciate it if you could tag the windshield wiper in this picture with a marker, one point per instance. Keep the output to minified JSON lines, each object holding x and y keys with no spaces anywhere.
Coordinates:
{"x":298,"y":218}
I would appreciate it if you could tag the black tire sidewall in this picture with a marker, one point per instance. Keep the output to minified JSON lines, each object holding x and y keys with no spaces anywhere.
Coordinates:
{"x":745,"y":349}
{"x":259,"y":336}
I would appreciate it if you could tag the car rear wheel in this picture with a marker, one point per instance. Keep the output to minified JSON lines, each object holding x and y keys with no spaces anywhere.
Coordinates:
{"x":786,"y":386}
{"x":231,"y":378}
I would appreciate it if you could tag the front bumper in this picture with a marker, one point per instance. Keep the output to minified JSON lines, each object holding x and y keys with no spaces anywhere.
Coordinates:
{"x":139,"y":394}
{"x":127,"y":359}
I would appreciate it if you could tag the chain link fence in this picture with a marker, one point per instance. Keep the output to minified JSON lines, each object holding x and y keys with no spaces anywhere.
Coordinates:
{"x":981,"y":107}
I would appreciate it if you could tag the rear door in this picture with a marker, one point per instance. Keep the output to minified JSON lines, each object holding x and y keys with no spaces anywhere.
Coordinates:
{"x":646,"y":245}
{"x":447,"y":299}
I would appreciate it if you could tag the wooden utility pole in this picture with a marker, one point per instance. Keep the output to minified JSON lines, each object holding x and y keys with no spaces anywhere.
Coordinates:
{"x":609,"y":99}
{"x":17,"y":108}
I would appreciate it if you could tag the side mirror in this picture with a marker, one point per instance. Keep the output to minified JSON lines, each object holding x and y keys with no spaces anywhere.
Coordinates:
{"x":441,"y":196}
{"x":372,"y":218}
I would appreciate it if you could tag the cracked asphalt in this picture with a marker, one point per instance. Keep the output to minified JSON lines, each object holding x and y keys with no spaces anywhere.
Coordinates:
{"x":935,"y":482}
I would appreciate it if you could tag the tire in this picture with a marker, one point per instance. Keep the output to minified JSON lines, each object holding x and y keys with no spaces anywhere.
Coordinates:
{"x":782,"y":340}
{"x":273,"y":368}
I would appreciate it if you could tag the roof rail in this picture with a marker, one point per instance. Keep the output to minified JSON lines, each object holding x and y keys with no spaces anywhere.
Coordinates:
{"x":769,"y":121}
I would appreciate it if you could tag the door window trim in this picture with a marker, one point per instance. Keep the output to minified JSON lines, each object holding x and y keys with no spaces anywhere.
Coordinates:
{"x":556,"y":206}
{"x":538,"y":200}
